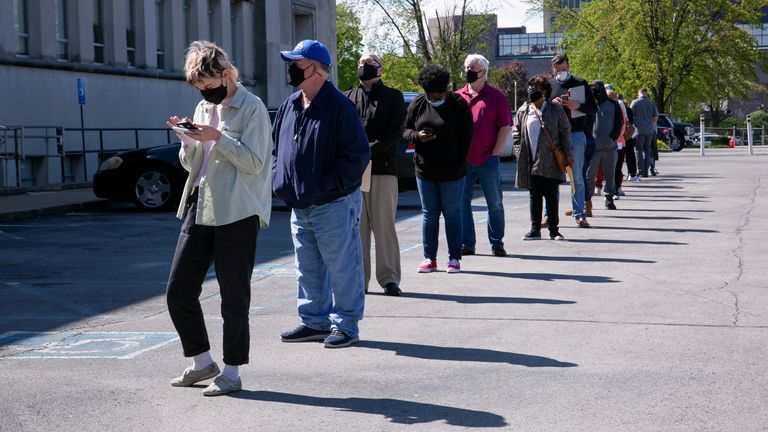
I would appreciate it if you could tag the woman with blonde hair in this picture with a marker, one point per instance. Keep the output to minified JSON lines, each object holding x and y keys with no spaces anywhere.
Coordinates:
{"x":226,"y":148}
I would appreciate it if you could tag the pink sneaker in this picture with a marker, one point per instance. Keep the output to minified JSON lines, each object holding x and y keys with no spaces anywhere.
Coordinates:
{"x":428,"y":266}
{"x":453,"y":266}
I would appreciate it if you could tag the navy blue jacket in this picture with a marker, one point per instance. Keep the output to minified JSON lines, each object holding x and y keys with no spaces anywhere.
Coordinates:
{"x":319,"y":153}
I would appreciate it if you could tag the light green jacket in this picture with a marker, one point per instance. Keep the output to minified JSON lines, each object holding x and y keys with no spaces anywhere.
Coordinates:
{"x":238,"y":178}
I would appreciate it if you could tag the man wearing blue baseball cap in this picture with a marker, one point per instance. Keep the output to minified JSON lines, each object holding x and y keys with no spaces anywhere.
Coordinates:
{"x":319,"y":156}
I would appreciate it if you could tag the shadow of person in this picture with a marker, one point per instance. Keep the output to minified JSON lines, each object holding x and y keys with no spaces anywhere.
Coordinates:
{"x":485,"y":299}
{"x":394,"y":410}
{"x":431,"y":352}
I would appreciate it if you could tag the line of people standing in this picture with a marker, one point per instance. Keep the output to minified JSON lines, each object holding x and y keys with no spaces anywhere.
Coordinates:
{"x":333,"y":162}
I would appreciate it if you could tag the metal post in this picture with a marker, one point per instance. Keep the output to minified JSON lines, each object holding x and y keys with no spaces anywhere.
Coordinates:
{"x":749,"y":134}
{"x":60,"y":150}
{"x":701,"y":135}
{"x":16,"y":155}
{"x":762,"y":135}
{"x":515,"y":96}
{"x":101,"y":146}
{"x":734,"y":135}
{"x":82,"y":134}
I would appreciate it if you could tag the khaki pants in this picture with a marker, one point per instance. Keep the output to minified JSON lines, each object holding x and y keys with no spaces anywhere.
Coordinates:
{"x":378,"y":216}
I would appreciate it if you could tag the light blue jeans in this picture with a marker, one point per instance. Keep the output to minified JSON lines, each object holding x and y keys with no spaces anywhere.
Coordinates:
{"x":441,"y":197}
{"x":489,"y":174}
{"x":579,"y":142}
{"x":329,"y":264}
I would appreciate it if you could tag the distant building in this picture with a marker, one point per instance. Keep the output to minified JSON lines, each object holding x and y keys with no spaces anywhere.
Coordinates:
{"x":130,"y":54}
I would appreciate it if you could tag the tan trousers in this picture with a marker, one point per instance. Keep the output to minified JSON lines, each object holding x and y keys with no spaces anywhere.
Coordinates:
{"x":378,"y":215}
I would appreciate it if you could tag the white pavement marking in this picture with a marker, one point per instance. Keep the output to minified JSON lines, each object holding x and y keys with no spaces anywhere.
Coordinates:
{"x":81,"y":345}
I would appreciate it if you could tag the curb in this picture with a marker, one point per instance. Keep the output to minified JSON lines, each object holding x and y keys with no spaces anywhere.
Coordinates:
{"x":54,"y":210}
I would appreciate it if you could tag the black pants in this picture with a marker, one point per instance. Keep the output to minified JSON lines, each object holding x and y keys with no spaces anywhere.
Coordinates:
{"x":544,"y":187}
{"x":232,"y":250}
{"x":629,"y":152}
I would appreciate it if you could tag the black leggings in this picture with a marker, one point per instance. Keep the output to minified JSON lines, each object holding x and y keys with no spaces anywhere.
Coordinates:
{"x":544,"y":187}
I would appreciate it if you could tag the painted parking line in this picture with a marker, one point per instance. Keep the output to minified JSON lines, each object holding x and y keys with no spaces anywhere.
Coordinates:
{"x":81,"y":345}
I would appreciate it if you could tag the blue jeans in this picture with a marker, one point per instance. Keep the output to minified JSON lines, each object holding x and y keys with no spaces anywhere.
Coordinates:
{"x":589,"y":152}
{"x":579,"y":142}
{"x":489,"y":174}
{"x":441,"y":197}
{"x":329,"y":264}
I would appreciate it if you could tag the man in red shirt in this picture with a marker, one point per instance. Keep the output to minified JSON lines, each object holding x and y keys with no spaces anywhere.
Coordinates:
{"x":492,"y":122}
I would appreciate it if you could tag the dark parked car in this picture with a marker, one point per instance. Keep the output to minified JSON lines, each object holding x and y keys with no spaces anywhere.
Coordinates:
{"x":153,"y":178}
{"x":665,"y":131}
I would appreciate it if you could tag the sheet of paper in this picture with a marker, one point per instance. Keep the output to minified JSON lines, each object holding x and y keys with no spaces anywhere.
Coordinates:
{"x":577,"y":94}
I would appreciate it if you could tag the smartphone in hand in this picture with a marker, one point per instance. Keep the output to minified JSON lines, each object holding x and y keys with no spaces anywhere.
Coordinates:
{"x":185,"y":128}
{"x":428,"y":131}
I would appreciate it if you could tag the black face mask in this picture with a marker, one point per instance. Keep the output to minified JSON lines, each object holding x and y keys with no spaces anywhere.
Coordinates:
{"x":296,"y":75}
{"x":471,"y":76}
{"x":534,"y":95}
{"x":215,"y":95}
{"x":367,"y":72}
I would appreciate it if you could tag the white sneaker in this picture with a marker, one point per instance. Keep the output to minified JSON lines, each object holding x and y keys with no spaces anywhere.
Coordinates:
{"x":598,"y":191}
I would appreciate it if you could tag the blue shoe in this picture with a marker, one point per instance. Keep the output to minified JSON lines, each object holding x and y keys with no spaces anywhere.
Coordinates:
{"x":303,"y":333}
{"x":339,"y":339}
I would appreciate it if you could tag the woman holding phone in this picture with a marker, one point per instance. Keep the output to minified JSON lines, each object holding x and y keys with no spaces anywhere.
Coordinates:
{"x":439,"y":124}
{"x":227,"y":149}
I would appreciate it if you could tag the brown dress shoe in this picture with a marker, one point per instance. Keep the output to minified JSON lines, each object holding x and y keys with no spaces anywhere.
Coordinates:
{"x":588,"y":208}
{"x":582,"y":223}
{"x":569,"y":212}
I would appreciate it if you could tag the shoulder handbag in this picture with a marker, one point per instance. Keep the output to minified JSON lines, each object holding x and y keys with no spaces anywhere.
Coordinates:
{"x":629,"y":131}
{"x":560,"y":158}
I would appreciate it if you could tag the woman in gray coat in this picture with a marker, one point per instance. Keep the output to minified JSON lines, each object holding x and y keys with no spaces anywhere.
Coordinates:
{"x":540,"y":126}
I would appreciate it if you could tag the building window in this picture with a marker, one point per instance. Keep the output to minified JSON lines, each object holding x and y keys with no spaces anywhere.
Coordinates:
{"x":529,"y":44}
{"x":214,"y":31}
{"x":234,"y":26}
{"x":21,"y":25}
{"x":98,"y":31}
{"x":130,"y":32}
{"x":303,"y":22}
{"x":187,"y":22}
{"x":160,"y":20}
{"x":62,"y":35}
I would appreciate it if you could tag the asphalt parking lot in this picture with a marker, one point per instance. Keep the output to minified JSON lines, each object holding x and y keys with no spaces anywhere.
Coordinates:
{"x":655,"y":319}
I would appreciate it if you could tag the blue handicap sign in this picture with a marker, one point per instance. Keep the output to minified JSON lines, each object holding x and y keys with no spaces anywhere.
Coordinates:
{"x":81,"y":91}
{"x":114,"y":345}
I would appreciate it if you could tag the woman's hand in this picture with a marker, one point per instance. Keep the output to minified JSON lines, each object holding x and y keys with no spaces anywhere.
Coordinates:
{"x":425,"y":137}
{"x":205,"y":133}
{"x":570,"y":160}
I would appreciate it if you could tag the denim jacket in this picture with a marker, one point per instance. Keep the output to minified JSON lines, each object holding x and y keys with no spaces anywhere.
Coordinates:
{"x":238,"y":181}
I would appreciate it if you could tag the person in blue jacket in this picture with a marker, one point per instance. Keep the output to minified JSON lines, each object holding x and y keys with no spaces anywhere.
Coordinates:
{"x":320,"y":154}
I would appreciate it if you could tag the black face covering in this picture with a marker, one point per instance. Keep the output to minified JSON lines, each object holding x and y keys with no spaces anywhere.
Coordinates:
{"x":471,"y":76}
{"x":296,"y":75}
{"x":215,"y":95}
{"x":367,"y":72}
{"x":534,"y":95}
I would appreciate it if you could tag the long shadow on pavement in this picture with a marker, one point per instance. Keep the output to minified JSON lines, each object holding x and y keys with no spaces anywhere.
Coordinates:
{"x":581,"y":259}
{"x":546,"y":276}
{"x":668,"y":210}
{"x":395,"y":410}
{"x":659,"y":229}
{"x":431,"y":352}
{"x":655,"y":217}
{"x":485,"y":299}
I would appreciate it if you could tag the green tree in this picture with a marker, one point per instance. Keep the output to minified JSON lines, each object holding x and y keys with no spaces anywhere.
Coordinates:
{"x":682,"y":50}
{"x":459,"y":30}
{"x":349,"y":43}
{"x":400,"y":72}
{"x":505,"y":78}
{"x":759,"y":119}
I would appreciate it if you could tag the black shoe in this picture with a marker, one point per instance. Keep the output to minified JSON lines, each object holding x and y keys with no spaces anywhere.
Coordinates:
{"x":391,"y":289}
{"x":303,"y":333}
{"x":500,"y":252}
{"x":532,"y":235}
{"x":339,"y":339}
{"x":654,"y":173}
{"x":467,"y":251}
{"x":609,"y":204}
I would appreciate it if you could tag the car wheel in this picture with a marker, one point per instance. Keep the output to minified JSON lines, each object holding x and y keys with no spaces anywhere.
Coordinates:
{"x":675,"y":144}
{"x":155,"y":189}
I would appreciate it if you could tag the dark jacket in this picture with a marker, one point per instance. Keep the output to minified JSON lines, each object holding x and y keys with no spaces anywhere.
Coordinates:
{"x":319,"y":153}
{"x":382,"y":111}
{"x":445,"y":157}
{"x":588,"y":107}
{"x":556,"y":123}
{"x":608,"y":121}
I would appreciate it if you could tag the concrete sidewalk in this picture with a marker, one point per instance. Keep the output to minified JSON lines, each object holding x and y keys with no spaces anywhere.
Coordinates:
{"x":46,"y":203}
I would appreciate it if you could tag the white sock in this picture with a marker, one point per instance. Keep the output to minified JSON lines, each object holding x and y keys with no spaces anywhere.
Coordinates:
{"x":202,"y":361}
{"x":231,"y":372}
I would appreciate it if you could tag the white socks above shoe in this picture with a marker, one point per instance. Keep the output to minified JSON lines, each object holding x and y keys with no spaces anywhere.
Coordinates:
{"x":231,"y":372}
{"x":202,"y":361}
